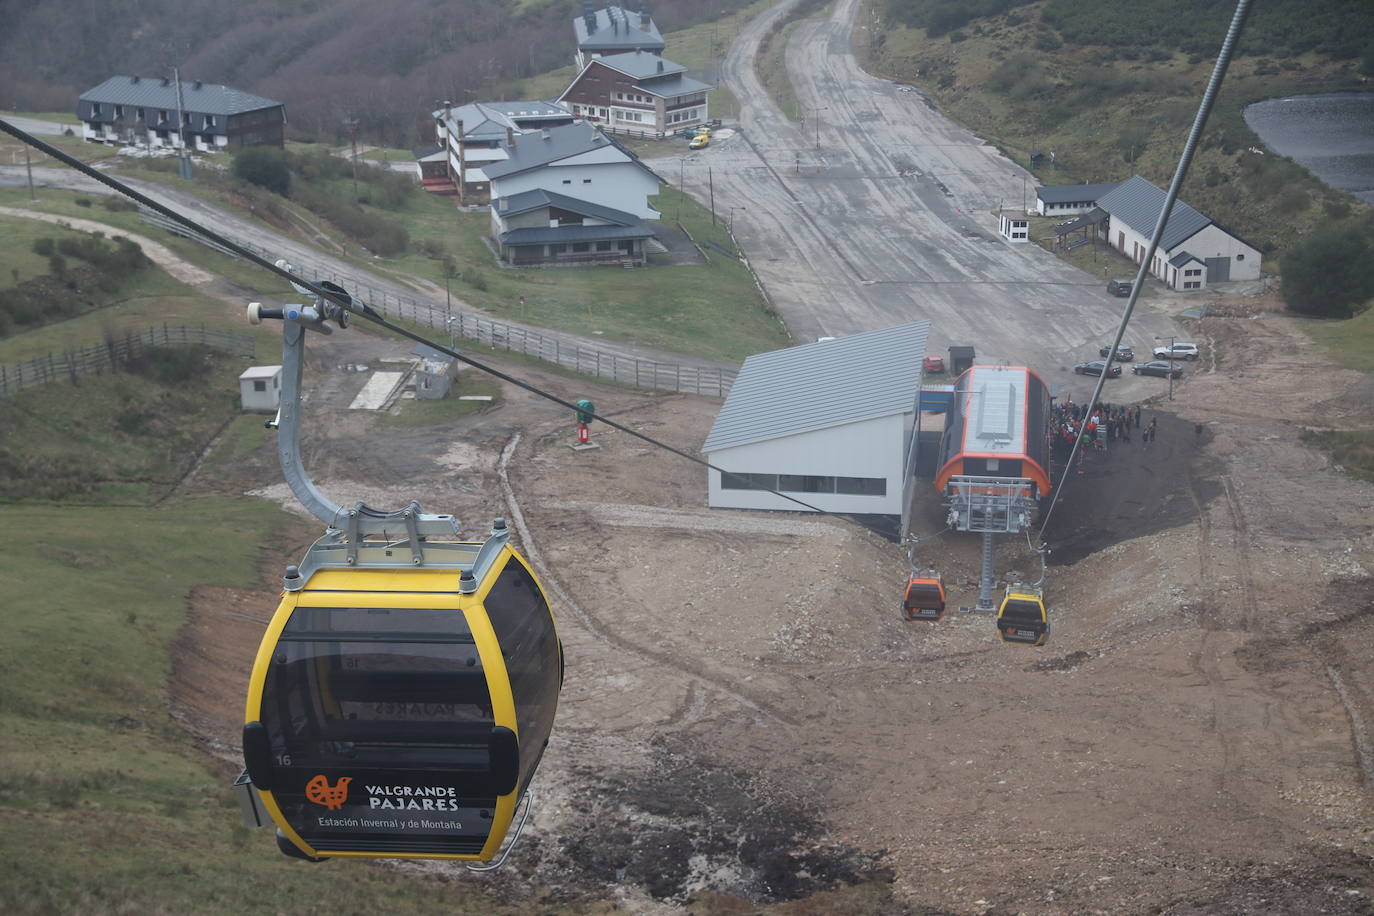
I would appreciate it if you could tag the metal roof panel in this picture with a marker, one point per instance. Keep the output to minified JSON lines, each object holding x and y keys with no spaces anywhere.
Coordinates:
{"x":1138,"y":203}
{"x":820,"y":385}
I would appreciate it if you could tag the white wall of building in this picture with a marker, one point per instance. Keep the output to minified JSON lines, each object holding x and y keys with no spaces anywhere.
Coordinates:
{"x":260,"y":388}
{"x":868,"y":448}
{"x":619,"y":185}
{"x":1210,"y":242}
{"x":1214,"y":242}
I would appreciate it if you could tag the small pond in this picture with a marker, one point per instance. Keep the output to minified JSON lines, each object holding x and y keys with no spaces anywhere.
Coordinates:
{"x":1332,"y":135}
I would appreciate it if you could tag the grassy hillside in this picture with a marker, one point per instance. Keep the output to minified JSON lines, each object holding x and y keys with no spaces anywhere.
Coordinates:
{"x":711,"y":310}
{"x":1109,"y":111}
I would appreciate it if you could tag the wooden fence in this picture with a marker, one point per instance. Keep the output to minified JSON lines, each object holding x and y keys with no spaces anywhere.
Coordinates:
{"x":117,"y":351}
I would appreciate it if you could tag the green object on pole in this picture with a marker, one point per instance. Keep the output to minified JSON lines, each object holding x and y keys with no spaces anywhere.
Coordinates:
{"x":585,"y":411}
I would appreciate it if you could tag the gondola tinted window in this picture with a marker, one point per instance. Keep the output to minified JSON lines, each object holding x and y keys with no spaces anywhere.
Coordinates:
{"x":524,"y":627}
{"x":377,"y":685}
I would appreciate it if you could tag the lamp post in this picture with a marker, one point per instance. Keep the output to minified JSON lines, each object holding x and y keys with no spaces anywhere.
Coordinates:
{"x":351,"y":125}
{"x":681,"y":185}
{"x":816,"y":117}
{"x":449,"y":274}
{"x":730,"y":221}
{"x":1170,"y":373}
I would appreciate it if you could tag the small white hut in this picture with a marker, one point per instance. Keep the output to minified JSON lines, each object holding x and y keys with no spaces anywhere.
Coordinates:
{"x":260,"y":388}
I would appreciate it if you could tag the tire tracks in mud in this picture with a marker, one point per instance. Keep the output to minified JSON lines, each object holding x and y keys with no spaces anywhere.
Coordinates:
{"x":1330,"y":657}
{"x":1206,"y":664}
{"x":601,"y":631}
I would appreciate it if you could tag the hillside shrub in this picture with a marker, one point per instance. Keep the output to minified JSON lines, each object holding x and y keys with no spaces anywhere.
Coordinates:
{"x":1330,"y":275}
{"x":266,"y":168}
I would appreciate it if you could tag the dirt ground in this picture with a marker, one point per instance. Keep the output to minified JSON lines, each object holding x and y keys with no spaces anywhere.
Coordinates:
{"x":748,"y":725}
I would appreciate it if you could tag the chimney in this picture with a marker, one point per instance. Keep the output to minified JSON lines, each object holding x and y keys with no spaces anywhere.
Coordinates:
{"x":643,"y":17}
{"x":510,"y":137}
{"x":460,"y":130}
{"x":546,"y":134}
{"x":197,"y":84}
{"x":589,"y":17}
{"x":166,"y":81}
{"x":448,"y":109}
{"x":660,"y":66}
{"x":134,"y":79}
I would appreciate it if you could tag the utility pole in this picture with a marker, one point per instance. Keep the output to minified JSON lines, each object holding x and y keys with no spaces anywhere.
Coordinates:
{"x":28,"y":167}
{"x":710,"y":178}
{"x":816,"y":115}
{"x":1170,"y":362}
{"x":185,"y":164}
{"x":351,"y":124}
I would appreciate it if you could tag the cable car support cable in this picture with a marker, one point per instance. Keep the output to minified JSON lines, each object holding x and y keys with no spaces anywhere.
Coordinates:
{"x":324,"y":290}
{"x":1180,"y":172}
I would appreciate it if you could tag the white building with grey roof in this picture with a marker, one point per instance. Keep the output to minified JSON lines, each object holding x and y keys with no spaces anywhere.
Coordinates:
{"x":833,"y":424}
{"x":614,"y":30}
{"x":1193,"y":252}
{"x":163,"y":112}
{"x":473,"y":135}
{"x":637,"y":92}
{"x":576,"y":161}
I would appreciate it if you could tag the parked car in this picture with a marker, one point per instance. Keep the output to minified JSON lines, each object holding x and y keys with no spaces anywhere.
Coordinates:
{"x":703,"y":131}
{"x":1095,"y":368}
{"x":700,"y":141}
{"x":688,"y":133}
{"x":1123,"y":353}
{"x":1161,"y":368}
{"x":1181,"y":349}
{"x":1120,"y":288}
{"x":933,"y":364}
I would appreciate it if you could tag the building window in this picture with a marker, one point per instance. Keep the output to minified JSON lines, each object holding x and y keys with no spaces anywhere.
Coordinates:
{"x":603,"y":246}
{"x":805,"y":483}
{"x":1240,"y":257}
{"x":580,"y":247}
{"x":586,"y":181}
{"x":732,"y":481}
{"x":558,"y":249}
{"x":567,"y":181}
{"x":119,"y":111}
{"x":209,"y":121}
{"x":1192,"y":284}
{"x":161,"y":115}
{"x":861,"y":486}
{"x":259,"y":385}
{"x":1193,"y":273}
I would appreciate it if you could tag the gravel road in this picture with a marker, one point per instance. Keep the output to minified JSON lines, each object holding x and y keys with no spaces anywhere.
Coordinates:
{"x":884,"y":215}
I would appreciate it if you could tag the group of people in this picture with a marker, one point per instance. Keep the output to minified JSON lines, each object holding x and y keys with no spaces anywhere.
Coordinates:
{"x":1106,"y":423}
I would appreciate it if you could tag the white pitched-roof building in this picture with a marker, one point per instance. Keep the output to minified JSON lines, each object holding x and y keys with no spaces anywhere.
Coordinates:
{"x":578,"y":161}
{"x":1193,"y":252}
{"x":832,"y":423}
{"x":614,"y":30}
{"x":1069,"y":199}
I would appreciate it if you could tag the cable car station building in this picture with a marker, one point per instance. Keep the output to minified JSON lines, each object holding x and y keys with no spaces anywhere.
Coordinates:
{"x":833,"y":423}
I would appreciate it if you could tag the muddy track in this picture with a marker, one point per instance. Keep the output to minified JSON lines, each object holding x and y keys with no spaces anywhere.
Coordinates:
{"x":1240,"y":531}
{"x":598,"y":628}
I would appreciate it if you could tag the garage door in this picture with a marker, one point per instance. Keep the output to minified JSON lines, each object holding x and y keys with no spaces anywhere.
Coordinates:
{"x":1218,"y":269}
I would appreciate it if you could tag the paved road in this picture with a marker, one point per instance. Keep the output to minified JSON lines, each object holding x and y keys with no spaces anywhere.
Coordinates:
{"x":39,"y":126}
{"x":889,"y":217}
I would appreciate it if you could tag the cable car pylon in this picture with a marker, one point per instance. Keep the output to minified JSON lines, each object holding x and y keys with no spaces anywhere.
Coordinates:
{"x":405,"y":688}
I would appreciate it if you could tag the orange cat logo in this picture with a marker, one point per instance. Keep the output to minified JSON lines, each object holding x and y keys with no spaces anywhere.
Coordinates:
{"x":319,"y":791}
